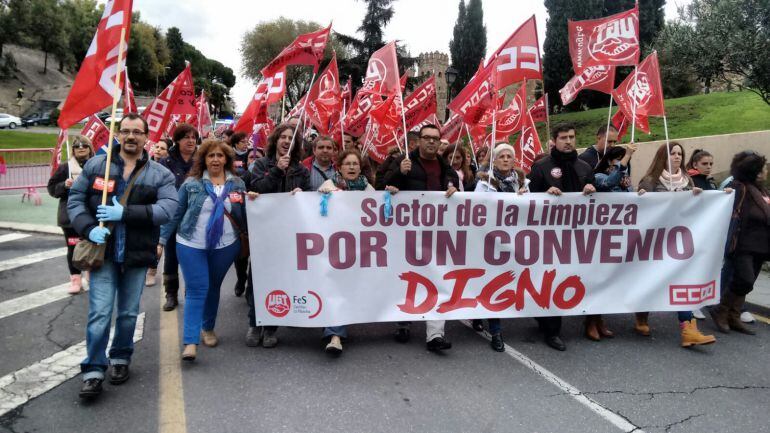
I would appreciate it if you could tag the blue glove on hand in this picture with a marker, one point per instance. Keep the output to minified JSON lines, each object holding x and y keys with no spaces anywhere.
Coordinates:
{"x":98,"y":235}
{"x":110,"y":213}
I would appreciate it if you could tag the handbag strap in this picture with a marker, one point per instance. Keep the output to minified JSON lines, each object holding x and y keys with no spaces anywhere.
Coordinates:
{"x":232,"y":221}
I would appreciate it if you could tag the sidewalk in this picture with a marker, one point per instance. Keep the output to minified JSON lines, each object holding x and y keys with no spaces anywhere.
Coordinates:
{"x":760,"y":296}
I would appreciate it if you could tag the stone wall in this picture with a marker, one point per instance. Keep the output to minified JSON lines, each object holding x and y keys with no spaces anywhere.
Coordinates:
{"x":436,"y":63}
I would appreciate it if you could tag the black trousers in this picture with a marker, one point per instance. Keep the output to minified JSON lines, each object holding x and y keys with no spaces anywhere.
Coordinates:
{"x":171,"y":267}
{"x":551,"y":326}
{"x":70,"y":233}
{"x":250,"y":301}
{"x":745,"y":270}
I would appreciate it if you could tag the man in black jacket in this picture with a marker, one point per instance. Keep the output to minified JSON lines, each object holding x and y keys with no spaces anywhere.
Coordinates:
{"x":561,"y":171}
{"x":423,"y":170}
{"x":179,"y":162}
{"x":605,"y":138}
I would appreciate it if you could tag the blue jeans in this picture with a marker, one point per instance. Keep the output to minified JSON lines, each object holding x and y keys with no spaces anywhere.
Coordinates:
{"x":339,"y":331}
{"x":494,"y":326}
{"x":203,"y":271}
{"x":107,"y":283}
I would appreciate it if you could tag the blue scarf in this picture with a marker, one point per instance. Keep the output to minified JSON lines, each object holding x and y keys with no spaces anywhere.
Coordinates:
{"x":214,"y":228}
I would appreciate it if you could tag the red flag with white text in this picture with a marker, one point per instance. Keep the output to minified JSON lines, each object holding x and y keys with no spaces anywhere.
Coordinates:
{"x":476,"y":97}
{"x":600,"y":78}
{"x":421,"y":103}
{"x":538,"y":110}
{"x":129,"y":101}
{"x":518,"y":58}
{"x":382,"y":73}
{"x":324,"y":100}
{"x":358,"y":114}
{"x":96,"y":131}
{"x":270,"y":89}
{"x":607,"y":41}
{"x":453,"y":128}
{"x":306,"y":49}
{"x":511,"y":119}
{"x":95,"y":82}
{"x":642,"y":89}
{"x":430,"y":120}
{"x":528,"y":145}
{"x":177,"y":98}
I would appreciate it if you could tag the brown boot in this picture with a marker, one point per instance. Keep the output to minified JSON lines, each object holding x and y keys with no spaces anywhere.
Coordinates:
{"x":592,"y":333}
{"x":734,"y":315}
{"x":719,"y":314}
{"x":604,"y":331}
{"x":641,"y":327}
{"x":209,"y":338}
{"x":171,"y":287}
{"x":691,"y":336}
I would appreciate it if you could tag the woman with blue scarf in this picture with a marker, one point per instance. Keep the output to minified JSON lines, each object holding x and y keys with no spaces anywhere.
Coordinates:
{"x":210,"y":217}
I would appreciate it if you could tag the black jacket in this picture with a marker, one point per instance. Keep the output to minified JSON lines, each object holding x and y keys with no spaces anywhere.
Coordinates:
{"x":754,"y":233}
{"x":542,"y":175}
{"x":177,"y":165}
{"x":267,"y":178}
{"x":417,"y":179}
{"x":703,"y":182}
{"x":57,"y":189}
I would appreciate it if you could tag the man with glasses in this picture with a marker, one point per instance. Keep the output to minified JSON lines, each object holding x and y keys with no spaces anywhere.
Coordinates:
{"x":423,"y":170}
{"x":179,"y":162}
{"x":131,"y":233}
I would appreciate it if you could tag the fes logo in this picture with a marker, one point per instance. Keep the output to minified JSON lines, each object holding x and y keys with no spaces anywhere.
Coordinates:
{"x":641,"y":92}
{"x":615,"y":39}
{"x":277,"y":303}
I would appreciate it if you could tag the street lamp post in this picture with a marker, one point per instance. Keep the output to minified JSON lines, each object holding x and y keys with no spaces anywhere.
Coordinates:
{"x":451,"y":76}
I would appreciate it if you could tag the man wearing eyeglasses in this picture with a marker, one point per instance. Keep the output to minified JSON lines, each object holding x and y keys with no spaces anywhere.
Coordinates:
{"x":131,"y":230}
{"x":423,"y":170}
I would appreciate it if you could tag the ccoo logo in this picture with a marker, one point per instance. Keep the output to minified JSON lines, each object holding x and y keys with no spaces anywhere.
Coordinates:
{"x":277,"y":303}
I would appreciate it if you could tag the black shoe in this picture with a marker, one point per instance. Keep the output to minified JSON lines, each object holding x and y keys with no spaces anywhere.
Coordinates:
{"x":171,"y":303}
{"x":477,"y":325}
{"x":438,"y":343}
{"x":497,"y":343}
{"x":555,"y":343}
{"x":119,"y":374}
{"x":91,"y":388}
{"x":402,"y":335}
{"x":240,"y":288}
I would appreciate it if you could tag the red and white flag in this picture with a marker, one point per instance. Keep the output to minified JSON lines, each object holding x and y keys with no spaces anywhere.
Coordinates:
{"x":620,"y":122}
{"x":358,"y":114}
{"x":347,"y":93}
{"x":324,"y":100}
{"x":129,"y":102}
{"x":453,"y":128}
{"x":177,"y":98}
{"x":539,"y":110}
{"x":378,"y":139}
{"x":528,"y":146}
{"x":202,"y":118}
{"x":510,"y":120}
{"x":601,"y":78}
{"x":306,"y":49}
{"x":270,"y":89}
{"x":430,"y":120}
{"x":421,"y":103}
{"x":96,"y":131}
{"x":476,"y":97}
{"x":95,"y":82}
{"x":387,"y":113}
{"x":518,"y":58}
{"x":61,"y":142}
{"x":642,"y":90}
{"x":608,"y":41}
{"x":382,"y":73}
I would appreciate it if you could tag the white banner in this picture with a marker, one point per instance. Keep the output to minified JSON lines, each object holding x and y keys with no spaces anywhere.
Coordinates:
{"x":483,"y":255}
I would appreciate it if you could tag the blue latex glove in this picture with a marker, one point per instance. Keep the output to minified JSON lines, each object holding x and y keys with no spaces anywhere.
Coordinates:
{"x":388,"y":207}
{"x":98,"y":235}
{"x":325,"y":204}
{"x":110,"y":213}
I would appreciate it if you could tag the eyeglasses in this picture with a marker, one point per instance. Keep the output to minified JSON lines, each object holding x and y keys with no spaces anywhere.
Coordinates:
{"x":429,"y":138}
{"x":127,"y":132}
{"x":80,"y":146}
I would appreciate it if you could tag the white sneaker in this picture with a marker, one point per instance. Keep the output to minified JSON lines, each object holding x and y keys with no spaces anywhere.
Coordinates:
{"x":698,"y":314}
{"x":746,"y":317}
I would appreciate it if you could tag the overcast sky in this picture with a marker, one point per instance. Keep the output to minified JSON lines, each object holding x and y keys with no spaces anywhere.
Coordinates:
{"x":217,"y":27}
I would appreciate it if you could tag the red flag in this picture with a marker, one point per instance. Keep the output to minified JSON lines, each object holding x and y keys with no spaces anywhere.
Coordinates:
{"x":608,"y":41}
{"x":347,"y":94}
{"x":518,"y":58}
{"x":177,"y":98}
{"x":129,"y":102}
{"x":61,"y":141}
{"x":620,"y":122}
{"x":378,"y":139}
{"x":601,"y":78}
{"x":430,"y":120}
{"x":324,"y":100}
{"x":270,"y":89}
{"x":477,"y":96}
{"x":358,"y":114}
{"x":202,"y":119}
{"x":453,"y":128}
{"x":96,"y":131}
{"x":306,"y":49}
{"x":95,"y":82}
{"x":528,"y":145}
{"x":510,"y":120}
{"x":404,"y":79}
{"x":644,"y":89}
{"x":382,"y":72}
{"x":421,"y":103}
{"x":387,"y":113}
{"x":480,"y":137}
{"x":538,"y":110}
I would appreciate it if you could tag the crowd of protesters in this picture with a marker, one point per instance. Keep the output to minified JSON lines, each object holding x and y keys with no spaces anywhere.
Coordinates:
{"x":187,"y":202}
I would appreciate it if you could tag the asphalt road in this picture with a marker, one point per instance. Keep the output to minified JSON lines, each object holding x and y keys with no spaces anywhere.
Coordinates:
{"x":377,"y":385}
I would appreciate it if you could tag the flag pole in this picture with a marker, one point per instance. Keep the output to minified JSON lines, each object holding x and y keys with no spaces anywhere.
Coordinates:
{"x":200,"y":115}
{"x":67,"y":148}
{"x":470,"y":142}
{"x":633,"y":116}
{"x":494,"y":132}
{"x":115,"y":99}
{"x":403,"y":120}
{"x":668,"y":153}
{"x":395,"y":137}
{"x":283,"y":106}
{"x":301,"y":114}
{"x":547,"y":116}
{"x":342,"y":123}
{"x":607,"y":131}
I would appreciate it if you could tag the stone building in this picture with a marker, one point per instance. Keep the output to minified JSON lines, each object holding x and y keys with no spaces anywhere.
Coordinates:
{"x":436,"y":63}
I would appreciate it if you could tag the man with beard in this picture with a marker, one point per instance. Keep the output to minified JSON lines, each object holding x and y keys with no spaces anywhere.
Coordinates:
{"x":179,"y":162}
{"x":141,"y":197}
{"x":424,"y":171}
{"x":320,"y":163}
{"x":561,"y":171}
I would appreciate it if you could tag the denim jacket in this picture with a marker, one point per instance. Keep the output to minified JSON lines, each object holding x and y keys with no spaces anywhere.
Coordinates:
{"x":613,"y":182}
{"x":192,"y":194}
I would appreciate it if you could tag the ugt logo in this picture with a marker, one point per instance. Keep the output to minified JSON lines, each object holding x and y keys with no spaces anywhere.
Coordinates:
{"x":376,"y":73}
{"x":615,"y":40}
{"x":277,"y":303}
{"x":691,"y":294}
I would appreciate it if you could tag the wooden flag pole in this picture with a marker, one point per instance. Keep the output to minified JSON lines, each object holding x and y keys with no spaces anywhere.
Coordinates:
{"x":301,"y":114}
{"x":606,"y":132}
{"x":403,"y":120}
{"x":470,"y":142}
{"x":633,"y":115}
{"x":668,"y":153}
{"x":115,"y":100}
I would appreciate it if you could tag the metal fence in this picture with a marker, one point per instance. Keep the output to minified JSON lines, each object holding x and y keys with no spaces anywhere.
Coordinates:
{"x":25,"y":168}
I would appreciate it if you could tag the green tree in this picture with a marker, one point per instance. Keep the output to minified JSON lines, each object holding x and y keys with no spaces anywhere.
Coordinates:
{"x":457,"y":48}
{"x":47,"y":27}
{"x":14,"y":20}
{"x":175,"y":44}
{"x":147,"y":56}
{"x":469,"y":41}
{"x":81,"y":19}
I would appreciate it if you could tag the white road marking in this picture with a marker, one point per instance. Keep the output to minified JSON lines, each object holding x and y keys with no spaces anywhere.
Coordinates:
{"x":36,"y":299}
{"x":12,"y":237}
{"x":17,"y":262}
{"x":34,"y":380}
{"x":615,"y":419}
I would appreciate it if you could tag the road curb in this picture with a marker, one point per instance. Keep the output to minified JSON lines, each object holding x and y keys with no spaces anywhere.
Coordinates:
{"x":757,"y":308}
{"x":27,"y":227}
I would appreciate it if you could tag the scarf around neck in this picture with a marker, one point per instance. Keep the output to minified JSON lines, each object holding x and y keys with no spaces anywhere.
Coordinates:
{"x":505,"y":183}
{"x":215,"y":226}
{"x":358,"y":184}
{"x":676,"y":182}
{"x":566,"y":162}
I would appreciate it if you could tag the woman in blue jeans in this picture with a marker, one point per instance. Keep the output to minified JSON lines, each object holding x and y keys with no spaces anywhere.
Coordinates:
{"x":210,"y":217}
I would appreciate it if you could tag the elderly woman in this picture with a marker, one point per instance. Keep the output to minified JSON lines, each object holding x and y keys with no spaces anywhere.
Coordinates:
{"x":505,"y":178}
{"x":347,"y":178}
{"x":279,"y":171}
{"x":748,"y":241}
{"x":659,"y":179}
{"x":59,"y":187}
{"x":209,"y":220}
